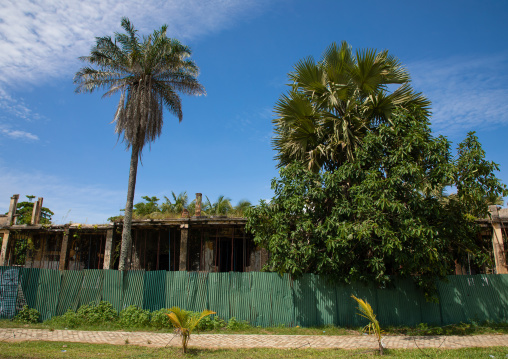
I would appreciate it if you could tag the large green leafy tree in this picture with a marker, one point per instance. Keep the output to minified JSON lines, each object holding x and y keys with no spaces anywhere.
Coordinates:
{"x":334,"y":103}
{"x":24,"y":210}
{"x":378,"y":214}
{"x":149,"y":73}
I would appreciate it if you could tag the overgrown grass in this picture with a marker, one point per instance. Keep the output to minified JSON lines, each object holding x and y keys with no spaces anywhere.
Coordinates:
{"x":40,"y":349}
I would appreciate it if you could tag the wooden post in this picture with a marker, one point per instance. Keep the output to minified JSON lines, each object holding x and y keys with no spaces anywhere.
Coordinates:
{"x":184,"y":236}
{"x":6,"y":245}
{"x":109,"y":247}
{"x":64,"y":251}
{"x":497,"y":241}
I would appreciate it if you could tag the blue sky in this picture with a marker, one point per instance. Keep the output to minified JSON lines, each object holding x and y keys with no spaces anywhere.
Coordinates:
{"x":61,"y":146}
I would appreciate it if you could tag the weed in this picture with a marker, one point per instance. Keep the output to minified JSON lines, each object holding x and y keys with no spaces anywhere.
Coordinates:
{"x":235,"y":324}
{"x":160,"y":319}
{"x":28,"y":315}
{"x":133,"y":316}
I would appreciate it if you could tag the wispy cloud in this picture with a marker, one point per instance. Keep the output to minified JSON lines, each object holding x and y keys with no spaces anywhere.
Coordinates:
{"x":467,"y":93}
{"x":16,"y":134}
{"x":74,"y":202}
{"x":44,"y":38}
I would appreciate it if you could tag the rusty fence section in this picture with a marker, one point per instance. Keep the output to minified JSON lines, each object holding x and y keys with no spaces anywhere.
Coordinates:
{"x":264,"y":299}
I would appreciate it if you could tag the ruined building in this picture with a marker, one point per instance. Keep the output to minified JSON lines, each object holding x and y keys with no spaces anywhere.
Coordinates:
{"x":197,"y":243}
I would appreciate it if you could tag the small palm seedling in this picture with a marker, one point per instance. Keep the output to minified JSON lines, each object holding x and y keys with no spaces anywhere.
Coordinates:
{"x":373,"y":326}
{"x":185,"y":322}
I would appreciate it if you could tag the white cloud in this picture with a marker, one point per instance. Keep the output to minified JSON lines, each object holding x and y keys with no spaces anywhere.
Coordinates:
{"x":44,"y":38}
{"x":466,"y":93}
{"x":76,"y":202}
{"x":16,"y":134}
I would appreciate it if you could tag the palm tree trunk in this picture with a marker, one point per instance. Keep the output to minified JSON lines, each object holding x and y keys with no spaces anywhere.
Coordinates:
{"x":127,"y":219}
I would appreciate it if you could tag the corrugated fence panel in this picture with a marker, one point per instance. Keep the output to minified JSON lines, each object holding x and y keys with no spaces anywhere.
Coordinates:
{"x":155,"y":290}
{"x":500,"y":288}
{"x":482,"y":301}
{"x":239,"y":296}
{"x":452,"y":301}
{"x":176,"y":289}
{"x":133,"y":286}
{"x":347,"y":306}
{"x":305,"y":301}
{"x":218,"y":294}
{"x":326,"y":299}
{"x":30,"y":285}
{"x":48,"y":293}
{"x":69,"y":291}
{"x":197,"y":299}
{"x":112,"y":288}
{"x":399,"y":304}
{"x":430,"y":311}
{"x":261,"y":299}
{"x":91,"y":290}
{"x":9,"y":281}
{"x":282,"y":300}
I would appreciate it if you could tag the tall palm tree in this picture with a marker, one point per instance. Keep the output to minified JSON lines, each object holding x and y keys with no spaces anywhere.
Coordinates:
{"x":148,"y":72}
{"x":333,"y":103}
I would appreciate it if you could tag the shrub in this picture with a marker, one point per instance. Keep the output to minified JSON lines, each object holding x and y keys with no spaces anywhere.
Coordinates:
{"x":133,"y":316}
{"x":97,"y":313}
{"x":235,"y":324}
{"x":28,"y":315}
{"x":160,"y":319}
{"x":209,"y":323}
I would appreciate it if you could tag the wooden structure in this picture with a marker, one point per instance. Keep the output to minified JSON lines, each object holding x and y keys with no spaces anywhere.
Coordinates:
{"x":199,"y":243}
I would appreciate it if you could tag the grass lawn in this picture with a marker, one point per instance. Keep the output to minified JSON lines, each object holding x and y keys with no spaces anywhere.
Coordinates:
{"x":40,"y":349}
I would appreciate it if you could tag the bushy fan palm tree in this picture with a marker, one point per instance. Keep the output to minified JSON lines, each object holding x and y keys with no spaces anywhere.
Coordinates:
{"x":332,"y":103}
{"x":149,"y":73}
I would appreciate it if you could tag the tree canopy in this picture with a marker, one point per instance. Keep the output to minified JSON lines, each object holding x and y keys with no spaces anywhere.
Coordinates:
{"x":380,"y":214}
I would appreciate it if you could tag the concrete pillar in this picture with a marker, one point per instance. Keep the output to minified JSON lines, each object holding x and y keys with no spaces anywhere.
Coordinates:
{"x":6,"y":246}
{"x":459,"y":269}
{"x":36,"y":213}
{"x":199,"y":197}
{"x":497,"y":242}
{"x":184,"y":237}
{"x":64,"y":251}
{"x":11,"y":215}
{"x":109,"y":247}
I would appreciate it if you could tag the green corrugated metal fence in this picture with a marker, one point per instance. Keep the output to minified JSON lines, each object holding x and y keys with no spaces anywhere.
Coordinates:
{"x":265,"y":299}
